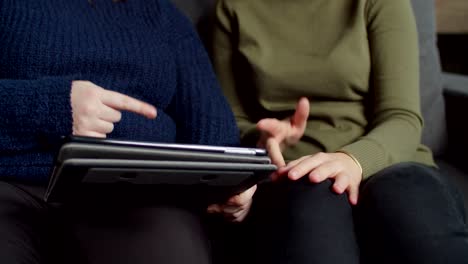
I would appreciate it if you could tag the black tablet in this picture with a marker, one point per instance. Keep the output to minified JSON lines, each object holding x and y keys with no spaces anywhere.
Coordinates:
{"x":173,"y":146}
{"x":111,"y":151}
{"x":206,"y":171}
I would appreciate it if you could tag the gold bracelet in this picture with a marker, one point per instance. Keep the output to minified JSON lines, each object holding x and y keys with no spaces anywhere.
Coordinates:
{"x":352,"y":157}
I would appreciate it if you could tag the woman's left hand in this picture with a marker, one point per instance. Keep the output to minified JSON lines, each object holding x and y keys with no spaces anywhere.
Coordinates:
{"x":237,"y":207}
{"x":339,"y":166}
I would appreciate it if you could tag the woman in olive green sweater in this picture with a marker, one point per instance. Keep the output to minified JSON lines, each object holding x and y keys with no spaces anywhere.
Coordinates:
{"x":356,"y":61}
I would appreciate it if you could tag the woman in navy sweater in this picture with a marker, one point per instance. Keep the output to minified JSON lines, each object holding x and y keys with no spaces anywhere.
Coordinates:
{"x":120,"y":69}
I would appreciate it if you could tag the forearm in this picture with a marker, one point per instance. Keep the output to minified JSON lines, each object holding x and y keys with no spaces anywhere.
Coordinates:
{"x":392,"y":141}
{"x":34,"y":110}
{"x":395,"y":122}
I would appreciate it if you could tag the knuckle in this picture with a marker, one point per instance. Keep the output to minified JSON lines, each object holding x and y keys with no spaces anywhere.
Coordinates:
{"x":84,"y":82}
{"x":336,"y":166}
{"x":81,"y":123}
{"x":343,"y":182}
{"x":91,"y":91}
{"x":89,"y":109}
{"x":126,"y":103}
{"x":321,"y":155}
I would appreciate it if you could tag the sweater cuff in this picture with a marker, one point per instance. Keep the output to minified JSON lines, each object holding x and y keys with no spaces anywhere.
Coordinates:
{"x":370,"y":154}
{"x":54,"y":112}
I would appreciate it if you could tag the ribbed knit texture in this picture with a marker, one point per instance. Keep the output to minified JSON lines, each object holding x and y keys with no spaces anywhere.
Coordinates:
{"x":143,"y":48}
{"x":356,"y":60}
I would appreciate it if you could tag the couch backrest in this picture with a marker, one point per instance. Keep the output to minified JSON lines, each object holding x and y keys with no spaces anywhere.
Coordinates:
{"x":196,"y":10}
{"x":432,"y":103}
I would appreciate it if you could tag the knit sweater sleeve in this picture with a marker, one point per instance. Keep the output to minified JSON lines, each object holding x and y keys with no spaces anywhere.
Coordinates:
{"x":224,"y":59}
{"x":199,"y":108}
{"x":33,"y":112}
{"x":396,"y":122}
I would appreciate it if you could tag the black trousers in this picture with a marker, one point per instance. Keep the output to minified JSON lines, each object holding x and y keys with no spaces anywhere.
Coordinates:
{"x":115,"y":230}
{"x":406,"y":214}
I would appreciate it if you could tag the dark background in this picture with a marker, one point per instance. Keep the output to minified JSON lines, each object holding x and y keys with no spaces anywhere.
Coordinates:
{"x":452,"y":27}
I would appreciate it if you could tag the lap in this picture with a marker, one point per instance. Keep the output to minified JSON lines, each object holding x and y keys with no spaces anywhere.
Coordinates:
{"x":410,"y":213}
{"x":301,"y":222}
{"x":409,"y":191}
{"x":26,"y":226}
{"x":33,"y":232}
{"x":139,"y":235}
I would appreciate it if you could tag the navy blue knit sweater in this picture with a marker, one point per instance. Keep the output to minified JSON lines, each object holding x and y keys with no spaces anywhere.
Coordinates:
{"x":143,"y":48}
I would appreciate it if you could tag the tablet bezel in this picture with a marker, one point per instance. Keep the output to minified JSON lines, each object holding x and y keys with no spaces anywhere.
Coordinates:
{"x":68,"y":177}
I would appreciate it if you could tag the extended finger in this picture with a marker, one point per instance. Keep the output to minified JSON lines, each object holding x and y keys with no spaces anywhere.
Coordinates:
{"x":306,"y":166}
{"x":123,"y":102}
{"x":341,"y":183}
{"x":274,"y":151}
{"x":299,"y":119}
{"x":290,"y":165}
{"x":293,"y":163}
{"x":109,"y":114}
{"x":353,"y":192}
{"x":324,"y":171}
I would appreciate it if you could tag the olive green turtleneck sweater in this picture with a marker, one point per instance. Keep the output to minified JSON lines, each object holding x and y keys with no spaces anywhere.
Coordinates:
{"x":356,"y":61}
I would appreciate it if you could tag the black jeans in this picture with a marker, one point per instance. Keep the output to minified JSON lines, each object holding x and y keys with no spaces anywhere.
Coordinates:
{"x":409,"y":213}
{"x":110,"y":231}
{"x":406,"y":214}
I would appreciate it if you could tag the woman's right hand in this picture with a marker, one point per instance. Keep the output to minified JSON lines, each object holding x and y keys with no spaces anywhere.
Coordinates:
{"x":95,"y":109}
{"x":276,"y":134}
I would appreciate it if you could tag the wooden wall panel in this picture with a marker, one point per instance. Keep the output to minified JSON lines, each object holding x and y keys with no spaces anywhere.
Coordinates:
{"x":452,"y":16}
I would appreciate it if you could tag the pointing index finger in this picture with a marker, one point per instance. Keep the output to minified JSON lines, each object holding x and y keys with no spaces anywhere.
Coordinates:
{"x":123,"y":102}
{"x":274,"y":151}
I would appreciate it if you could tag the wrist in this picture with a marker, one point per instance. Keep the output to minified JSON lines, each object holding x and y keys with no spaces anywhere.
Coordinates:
{"x":356,"y":161}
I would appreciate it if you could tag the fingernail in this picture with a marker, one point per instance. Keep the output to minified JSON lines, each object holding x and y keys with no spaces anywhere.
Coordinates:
{"x":154,"y":112}
{"x":293,"y":175}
